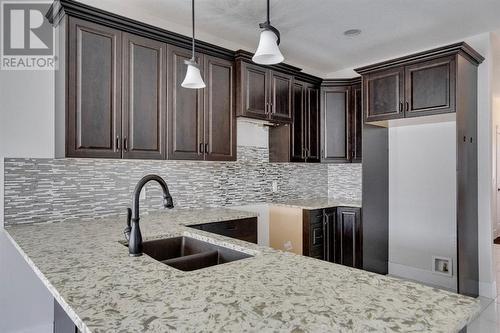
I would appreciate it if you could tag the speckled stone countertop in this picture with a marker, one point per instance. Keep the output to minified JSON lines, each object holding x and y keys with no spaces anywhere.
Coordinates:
{"x":317,"y":203}
{"x":102,"y":289}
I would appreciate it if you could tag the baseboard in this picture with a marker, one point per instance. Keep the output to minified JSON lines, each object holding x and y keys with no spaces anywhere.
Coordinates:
{"x":44,"y":328}
{"x":488,"y":289}
{"x":423,"y":276}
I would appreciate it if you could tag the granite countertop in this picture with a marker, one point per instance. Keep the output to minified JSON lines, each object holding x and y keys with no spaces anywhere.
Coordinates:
{"x":86,"y":267}
{"x":317,"y":203}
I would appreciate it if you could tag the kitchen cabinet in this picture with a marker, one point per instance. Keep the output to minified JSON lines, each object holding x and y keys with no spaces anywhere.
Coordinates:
{"x":347,"y":239}
{"x":263,"y":93}
{"x":185,"y":115}
{"x":314,"y":234}
{"x":430,"y":87}
{"x":62,"y":322}
{"x":335,"y":235}
{"x":94,"y":95}
{"x":202,"y":122}
{"x":122,"y":98}
{"x":220,"y":112}
{"x":417,"y":89}
{"x":298,"y":141}
{"x":334,"y":128}
{"x":341,"y":121}
{"x":384,"y":94}
{"x":243,"y":229}
{"x":144,"y":107}
{"x":356,"y":123}
{"x":332,"y":234}
{"x":437,"y":81}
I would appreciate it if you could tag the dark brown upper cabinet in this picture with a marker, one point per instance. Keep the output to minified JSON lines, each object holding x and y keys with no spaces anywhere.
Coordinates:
{"x":384,"y":94}
{"x":334,"y":128}
{"x":281,"y":96}
{"x":298,"y":141}
{"x":298,"y":126}
{"x":263,"y":93}
{"x":93,"y":114}
{"x":356,"y":123}
{"x":341,"y":121}
{"x":185,"y":111}
{"x":118,"y":92}
{"x":305,"y":136}
{"x":313,"y":135}
{"x":220,"y":111}
{"x":430,"y":87}
{"x":253,"y":91}
{"x":417,"y":89}
{"x":144,"y":108}
{"x":202,"y":122}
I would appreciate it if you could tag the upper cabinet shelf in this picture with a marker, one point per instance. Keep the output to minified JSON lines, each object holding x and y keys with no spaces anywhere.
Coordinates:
{"x":417,"y":85}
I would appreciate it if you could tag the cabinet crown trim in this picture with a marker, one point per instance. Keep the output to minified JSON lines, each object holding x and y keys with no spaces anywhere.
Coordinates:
{"x":458,"y":48}
{"x":340,"y":82}
{"x":242,"y":55}
{"x":60,"y":8}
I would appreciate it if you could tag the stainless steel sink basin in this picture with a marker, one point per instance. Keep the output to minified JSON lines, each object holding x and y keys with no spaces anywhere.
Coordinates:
{"x":189,"y":254}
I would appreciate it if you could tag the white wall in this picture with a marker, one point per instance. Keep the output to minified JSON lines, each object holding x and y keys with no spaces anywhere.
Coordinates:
{"x":422,"y":201}
{"x":26,"y":130}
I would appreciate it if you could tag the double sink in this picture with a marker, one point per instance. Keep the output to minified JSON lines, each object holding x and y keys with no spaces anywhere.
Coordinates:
{"x":189,"y":254}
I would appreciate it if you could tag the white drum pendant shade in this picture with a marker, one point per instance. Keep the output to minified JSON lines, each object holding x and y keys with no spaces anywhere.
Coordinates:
{"x":193,"y":79}
{"x":268,"y":52}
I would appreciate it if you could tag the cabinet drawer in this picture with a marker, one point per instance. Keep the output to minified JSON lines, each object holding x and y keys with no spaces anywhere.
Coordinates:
{"x":244,"y":229}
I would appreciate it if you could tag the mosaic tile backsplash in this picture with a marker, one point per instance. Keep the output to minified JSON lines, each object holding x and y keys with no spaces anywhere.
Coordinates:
{"x":38,"y":190}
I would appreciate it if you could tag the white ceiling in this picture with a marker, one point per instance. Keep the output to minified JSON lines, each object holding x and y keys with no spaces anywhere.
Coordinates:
{"x":312,"y":30}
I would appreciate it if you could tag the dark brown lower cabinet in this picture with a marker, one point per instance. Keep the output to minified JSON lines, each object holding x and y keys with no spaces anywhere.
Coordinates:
{"x":334,"y":234}
{"x":62,"y":323}
{"x":243,"y":229}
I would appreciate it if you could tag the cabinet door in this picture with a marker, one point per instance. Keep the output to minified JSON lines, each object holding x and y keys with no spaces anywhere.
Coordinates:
{"x":384,"y":95}
{"x":313,"y":125}
{"x":185,"y":111}
{"x":348,"y":236}
{"x":220,"y":121}
{"x":244,"y":229}
{"x":298,"y":126}
{"x":356,"y":123}
{"x":253,"y":90}
{"x":313,"y":240}
{"x":334,"y":126}
{"x":281,"y":96}
{"x":94,"y":83}
{"x":144,"y":98}
{"x":430,"y":87}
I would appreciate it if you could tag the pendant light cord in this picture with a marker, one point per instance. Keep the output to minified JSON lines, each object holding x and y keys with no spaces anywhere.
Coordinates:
{"x":192,"y":17}
{"x":268,"y":10}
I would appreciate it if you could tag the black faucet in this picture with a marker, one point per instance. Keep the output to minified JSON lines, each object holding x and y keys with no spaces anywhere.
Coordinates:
{"x":132,"y":231}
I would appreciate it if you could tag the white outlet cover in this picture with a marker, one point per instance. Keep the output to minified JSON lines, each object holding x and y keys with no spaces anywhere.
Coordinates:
{"x":275,"y":186}
{"x":439,"y":264}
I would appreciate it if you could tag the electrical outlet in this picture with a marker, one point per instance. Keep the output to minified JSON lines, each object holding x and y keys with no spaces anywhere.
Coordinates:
{"x":275,"y":186}
{"x":442,"y":265}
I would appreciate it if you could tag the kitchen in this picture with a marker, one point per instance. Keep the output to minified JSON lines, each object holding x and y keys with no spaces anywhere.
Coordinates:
{"x":293,"y":175}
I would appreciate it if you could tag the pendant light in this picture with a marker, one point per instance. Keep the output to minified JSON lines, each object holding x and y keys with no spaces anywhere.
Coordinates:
{"x":193,"y":79}
{"x":268,"y":52}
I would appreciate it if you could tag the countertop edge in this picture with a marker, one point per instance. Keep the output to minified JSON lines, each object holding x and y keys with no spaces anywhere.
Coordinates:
{"x":53,"y":291}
